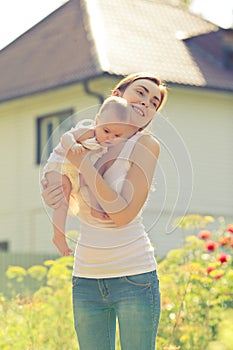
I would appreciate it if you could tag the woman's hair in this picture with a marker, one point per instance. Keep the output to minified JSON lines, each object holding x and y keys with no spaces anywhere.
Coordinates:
{"x":125,"y":82}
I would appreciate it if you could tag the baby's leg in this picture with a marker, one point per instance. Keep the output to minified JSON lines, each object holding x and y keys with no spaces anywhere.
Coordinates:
{"x":60,"y":214}
{"x":96,"y":210}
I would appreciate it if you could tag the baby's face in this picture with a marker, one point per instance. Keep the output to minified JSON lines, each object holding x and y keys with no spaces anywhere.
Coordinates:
{"x":110,"y":129}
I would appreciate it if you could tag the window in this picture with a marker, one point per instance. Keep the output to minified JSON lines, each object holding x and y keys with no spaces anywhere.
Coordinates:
{"x":4,"y":246}
{"x":49,"y":129}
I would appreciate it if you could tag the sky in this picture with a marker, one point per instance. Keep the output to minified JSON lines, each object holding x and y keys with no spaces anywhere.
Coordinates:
{"x":219,"y":12}
{"x":17,"y":16}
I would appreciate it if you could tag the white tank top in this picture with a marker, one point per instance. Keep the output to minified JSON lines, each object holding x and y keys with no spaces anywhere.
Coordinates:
{"x":105,"y":250}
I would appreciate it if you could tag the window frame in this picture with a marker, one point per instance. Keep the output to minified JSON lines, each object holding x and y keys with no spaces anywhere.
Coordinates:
{"x":4,"y":246}
{"x":39,"y":129}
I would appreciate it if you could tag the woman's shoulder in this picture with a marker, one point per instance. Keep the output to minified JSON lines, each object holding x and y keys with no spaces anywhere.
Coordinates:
{"x":150,"y":142}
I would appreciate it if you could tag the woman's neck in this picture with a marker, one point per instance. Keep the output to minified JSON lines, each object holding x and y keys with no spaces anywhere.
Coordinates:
{"x":106,"y":161}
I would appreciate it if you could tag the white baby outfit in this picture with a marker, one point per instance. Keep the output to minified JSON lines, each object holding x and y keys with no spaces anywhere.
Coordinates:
{"x":105,"y":250}
{"x":58,"y":162}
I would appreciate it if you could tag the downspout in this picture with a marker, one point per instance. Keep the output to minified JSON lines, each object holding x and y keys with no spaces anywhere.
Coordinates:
{"x":99,"y":96}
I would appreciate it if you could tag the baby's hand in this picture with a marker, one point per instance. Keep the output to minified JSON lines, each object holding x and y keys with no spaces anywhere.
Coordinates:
{"x":77,"y":148}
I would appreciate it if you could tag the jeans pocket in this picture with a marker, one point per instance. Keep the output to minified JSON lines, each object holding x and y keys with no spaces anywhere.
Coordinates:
{"x":142,"y":280}
{"x":74,"y":281}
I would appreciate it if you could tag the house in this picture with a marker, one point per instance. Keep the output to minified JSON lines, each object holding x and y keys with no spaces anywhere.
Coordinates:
{"x":70,"y":61}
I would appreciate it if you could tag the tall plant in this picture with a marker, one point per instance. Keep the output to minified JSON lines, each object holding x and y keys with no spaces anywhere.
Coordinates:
{"x":197,"y":288}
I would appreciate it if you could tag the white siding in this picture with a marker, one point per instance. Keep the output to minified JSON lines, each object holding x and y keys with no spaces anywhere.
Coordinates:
{"x":204,"y":121}
{"x":23,"y":220}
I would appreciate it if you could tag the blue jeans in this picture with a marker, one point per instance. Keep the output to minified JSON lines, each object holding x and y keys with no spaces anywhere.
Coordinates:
{"x":134,"y":300}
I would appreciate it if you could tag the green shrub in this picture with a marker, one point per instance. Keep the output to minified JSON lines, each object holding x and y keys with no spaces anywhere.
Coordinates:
{"x":43,"y":320}
{"x":196,"y":287}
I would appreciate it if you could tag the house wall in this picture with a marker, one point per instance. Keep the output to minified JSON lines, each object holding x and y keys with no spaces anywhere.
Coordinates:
{"x":204,"y":121}
{"x":199,"y":121}
{"x":23,"y":219}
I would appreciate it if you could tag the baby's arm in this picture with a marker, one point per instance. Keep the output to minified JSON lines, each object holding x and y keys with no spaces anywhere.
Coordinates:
{"x":71,"y":139}
{"x":69,"y":143}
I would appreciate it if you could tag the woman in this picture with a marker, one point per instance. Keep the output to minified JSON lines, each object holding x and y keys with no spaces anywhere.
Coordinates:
{"x":114,"y":273}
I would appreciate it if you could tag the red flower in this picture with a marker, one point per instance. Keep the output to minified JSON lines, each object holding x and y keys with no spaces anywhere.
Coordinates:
{"x":222,"y":258}
{"x":224,"y":241}
{"x":210,"y":268}
{"x":211,"y":246}
{"x":230,"y":228}
{"x":204,"y":234}
{"x":218,"y":276}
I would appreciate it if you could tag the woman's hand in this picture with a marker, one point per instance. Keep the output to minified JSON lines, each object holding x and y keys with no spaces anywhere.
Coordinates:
{"x":52,"y":195}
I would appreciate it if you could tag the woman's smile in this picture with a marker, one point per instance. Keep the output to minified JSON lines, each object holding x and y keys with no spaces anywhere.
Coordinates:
{"x":138,"y":110}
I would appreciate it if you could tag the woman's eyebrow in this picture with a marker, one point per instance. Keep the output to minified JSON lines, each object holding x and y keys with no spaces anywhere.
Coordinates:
{"x":145,"y":88}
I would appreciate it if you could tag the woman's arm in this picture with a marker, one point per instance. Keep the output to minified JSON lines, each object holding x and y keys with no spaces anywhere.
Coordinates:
{"x":123,"y":208}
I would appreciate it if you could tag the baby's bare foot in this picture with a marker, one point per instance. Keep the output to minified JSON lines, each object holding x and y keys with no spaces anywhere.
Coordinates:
{"x":62,"y":246}
{"x":99,"y":214}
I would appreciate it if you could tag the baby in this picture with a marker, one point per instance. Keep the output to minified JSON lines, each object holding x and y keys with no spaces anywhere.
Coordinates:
{"x":111,"y":126}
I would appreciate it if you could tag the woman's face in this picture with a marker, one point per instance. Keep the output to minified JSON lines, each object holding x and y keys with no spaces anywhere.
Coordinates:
{"x":144,"y":96}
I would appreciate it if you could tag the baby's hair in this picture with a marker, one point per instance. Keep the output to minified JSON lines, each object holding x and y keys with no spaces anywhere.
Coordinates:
{"x":119,"y":104}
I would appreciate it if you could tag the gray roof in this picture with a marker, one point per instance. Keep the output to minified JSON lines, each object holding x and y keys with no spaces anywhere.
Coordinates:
{"x":88,"y":38}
